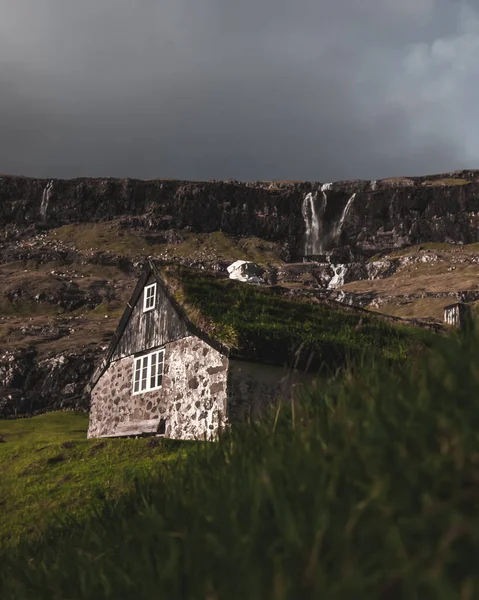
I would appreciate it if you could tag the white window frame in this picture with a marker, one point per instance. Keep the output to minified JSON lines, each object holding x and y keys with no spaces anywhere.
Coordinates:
{"x":142,"y":371}
{"x":149,"y":300}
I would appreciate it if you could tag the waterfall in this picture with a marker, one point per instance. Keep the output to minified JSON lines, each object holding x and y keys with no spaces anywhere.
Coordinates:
{"x":337,"y":280}
{"x":325,"y":202}
{"x":45,"y":200}
{"x":346,"y":210}
{"x":313,"y":219}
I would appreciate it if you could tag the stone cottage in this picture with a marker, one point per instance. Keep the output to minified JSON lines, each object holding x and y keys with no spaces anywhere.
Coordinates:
{"x":457,"y":315}
{"x":163,"y":374}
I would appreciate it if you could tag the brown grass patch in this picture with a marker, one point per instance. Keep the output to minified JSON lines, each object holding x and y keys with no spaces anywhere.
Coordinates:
{"x":446,"y":181}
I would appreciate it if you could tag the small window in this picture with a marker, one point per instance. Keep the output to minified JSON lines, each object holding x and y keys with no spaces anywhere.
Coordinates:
{"x":149,"y":297}
{"x":148,"y":372}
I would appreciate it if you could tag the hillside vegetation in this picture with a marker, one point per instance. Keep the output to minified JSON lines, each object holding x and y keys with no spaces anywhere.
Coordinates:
{"x":47,"y":467}
{"x":427,"y":277}
{"x":368,"y":488}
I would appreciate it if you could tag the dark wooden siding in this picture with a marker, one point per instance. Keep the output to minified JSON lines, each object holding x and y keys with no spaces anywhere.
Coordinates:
{"x":151,"y":329}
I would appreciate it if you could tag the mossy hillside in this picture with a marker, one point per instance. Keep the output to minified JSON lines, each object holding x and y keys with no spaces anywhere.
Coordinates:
{"x":47,"y":467}
{"x":427,"y":277}
{"x":444,"y":249}
{"x":414,"y":250}
{"x":78,"y":330}
{"x":215,"y":246}
{"x":30,"y":289}
{"x":413,"y":309}
{"x":265,"y":325}
{"x":100,"y":237}
{"x":221,"y":247}
{"x":59,"y":307}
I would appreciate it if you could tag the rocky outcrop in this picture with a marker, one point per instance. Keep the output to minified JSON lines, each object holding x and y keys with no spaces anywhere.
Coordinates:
{"x":308,"y":217}
{"x":329,"y":275}
{"x":30,"y":384}
{"x":246,"y":271}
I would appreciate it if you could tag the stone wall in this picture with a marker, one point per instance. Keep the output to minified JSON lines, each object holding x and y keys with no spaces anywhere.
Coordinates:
{"x":192,"y":399}
{"x":253,"y":386}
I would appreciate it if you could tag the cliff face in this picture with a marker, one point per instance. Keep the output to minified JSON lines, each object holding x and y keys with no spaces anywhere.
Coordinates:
{"x":237,"y":209}
{"x":30,"y":383}
{"x":310,"y":217}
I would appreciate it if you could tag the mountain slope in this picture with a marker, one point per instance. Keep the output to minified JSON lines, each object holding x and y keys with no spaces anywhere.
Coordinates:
{"x":71,"y":251}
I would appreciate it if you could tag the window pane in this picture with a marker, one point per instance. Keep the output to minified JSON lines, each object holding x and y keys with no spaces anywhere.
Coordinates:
{"x":144,"y":373}
{"x":149,"y":301}
{"x":150,"y":292}
{"x":161,"y":357}
{"x":136,"y":375}
{"x":153,"y":372}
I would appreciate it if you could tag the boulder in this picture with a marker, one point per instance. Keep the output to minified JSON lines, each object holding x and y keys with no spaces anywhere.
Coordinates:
{"x":246,"y":271}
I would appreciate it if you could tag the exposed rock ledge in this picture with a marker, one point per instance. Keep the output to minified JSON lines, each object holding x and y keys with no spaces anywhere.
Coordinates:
{"x":30,"y":385}
{"x":309,"y":217}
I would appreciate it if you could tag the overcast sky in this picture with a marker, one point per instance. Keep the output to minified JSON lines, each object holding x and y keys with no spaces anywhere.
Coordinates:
{"x":243,"y":89}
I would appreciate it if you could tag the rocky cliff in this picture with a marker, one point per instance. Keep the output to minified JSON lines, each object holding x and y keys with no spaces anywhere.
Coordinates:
{"x":308,"y":217}
{"x":70,"y":252}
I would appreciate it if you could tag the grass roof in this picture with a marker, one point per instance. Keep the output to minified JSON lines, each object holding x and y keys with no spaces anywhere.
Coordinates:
{"x":265,"y":325}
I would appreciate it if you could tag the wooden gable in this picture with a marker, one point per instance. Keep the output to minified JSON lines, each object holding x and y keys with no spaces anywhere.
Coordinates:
{"x":146,"y":330}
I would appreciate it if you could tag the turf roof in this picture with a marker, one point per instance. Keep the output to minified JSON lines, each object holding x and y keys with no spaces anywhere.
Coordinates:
{"x":261,"y":323}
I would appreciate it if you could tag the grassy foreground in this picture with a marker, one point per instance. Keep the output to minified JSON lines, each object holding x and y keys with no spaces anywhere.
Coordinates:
{"x":47,"y":466}
{"x":368,"y":489}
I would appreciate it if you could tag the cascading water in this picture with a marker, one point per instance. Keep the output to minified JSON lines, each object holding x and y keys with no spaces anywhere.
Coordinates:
{"x":338,"y":279}
{"x":318,"y":234}
{"x":313,"y":223}
{"x":47,"y":192}
{"x":346,"y":210}
{"x":325,"y":202}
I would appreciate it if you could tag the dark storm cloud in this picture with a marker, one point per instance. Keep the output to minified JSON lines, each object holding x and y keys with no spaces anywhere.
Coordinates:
{"x":310,"y":89}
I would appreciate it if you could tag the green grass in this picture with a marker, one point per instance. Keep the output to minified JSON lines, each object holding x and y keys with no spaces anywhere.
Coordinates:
{"x":48,"y":466}
{"x":265,"y":325}
{"x":412,"y":250}
{"x":28,"y":308}
{"x":100,"y":237}
{"x":219,"y":246}
{"x":369,"y":488}
{"x":216,"y":245}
